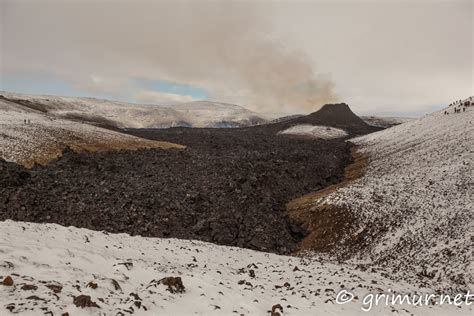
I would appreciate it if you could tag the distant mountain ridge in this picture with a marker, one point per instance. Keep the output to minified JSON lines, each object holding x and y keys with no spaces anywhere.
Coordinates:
{"x":200,"y":114}
{"x":119,"y":115}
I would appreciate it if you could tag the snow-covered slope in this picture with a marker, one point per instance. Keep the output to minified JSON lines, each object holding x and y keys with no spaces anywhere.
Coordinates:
{"x":51,"y":265}
{"x":128,"y":115}
{"x":414,"y":206}
{"x":385,"y":122}
{"x":46,"y":136}
{"x":316,"y":131}
{"x":215,"y":114}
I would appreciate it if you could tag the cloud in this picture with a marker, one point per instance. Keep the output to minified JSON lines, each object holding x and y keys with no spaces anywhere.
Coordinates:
{"x":220,"y":47}
{"x":102,"y":85}
{"x":270,"y":56}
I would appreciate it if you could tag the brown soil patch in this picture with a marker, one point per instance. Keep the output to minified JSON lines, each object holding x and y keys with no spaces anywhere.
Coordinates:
{"x":329,"y":225}
{"x":53,"y":151}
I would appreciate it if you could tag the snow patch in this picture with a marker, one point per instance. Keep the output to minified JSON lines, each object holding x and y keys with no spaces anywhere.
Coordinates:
{"x":316,"y":131}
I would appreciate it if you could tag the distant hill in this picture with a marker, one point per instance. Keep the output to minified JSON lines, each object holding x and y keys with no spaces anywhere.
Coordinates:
{"x":334,"y":115}
{"x":30,"y":136}
{"x":114,"y":114}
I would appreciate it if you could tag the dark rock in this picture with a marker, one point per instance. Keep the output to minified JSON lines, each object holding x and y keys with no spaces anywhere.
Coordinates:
{"x":8,"y":281}
{"x":276,"y":310}
{"x":135,"y":296}
{"x":29,"y":287}
{"x":116,"y":285}
{"x":10,"y":307}
{"x":252,"y":273}
{"x":174,"y":284}
{"x":55,"y":288}
{"x":35,"y":297}
{"x":84,"y":301}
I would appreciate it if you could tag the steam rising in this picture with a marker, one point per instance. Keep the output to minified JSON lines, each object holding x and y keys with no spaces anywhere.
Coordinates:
{"x":226,"y":48}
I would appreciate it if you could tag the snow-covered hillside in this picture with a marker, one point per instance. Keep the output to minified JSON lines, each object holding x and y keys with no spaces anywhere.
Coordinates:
{"x":52,"y":266}
{"x":45,"y":136}
{"x":128,"y":115}
{"x":385,"y":122}
{"x":215,"y":114}
{"x":413,"y":207}
{"x":316,"y":131}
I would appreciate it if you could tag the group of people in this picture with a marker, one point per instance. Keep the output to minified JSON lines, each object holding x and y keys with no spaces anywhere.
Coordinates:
{"x":26,"y":121}
{"x":460,"y":104}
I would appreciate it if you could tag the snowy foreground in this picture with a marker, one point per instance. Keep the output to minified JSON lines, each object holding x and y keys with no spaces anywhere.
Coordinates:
{"x":51,"y":264}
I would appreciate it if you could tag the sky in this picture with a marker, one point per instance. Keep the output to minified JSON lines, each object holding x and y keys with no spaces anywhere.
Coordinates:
{"x":405,"y":57}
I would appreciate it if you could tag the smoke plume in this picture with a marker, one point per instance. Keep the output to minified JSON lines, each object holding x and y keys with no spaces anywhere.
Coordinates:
{"x":226,"y":48}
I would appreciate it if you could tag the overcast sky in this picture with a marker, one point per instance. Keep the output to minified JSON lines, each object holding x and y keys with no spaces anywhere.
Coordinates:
{"x":381,"y":57}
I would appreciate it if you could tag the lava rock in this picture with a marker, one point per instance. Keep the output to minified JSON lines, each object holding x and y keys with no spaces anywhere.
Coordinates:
{"x":8,"y":281}
{"x":84,"y":301}
{"x":229,"y":186}
{"x":174,"y":284}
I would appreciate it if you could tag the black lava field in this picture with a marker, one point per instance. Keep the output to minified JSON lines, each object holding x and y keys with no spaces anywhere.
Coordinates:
{"x":229,"y":186}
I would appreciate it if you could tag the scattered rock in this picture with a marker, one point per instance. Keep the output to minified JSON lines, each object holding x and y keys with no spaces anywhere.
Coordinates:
{"x":35,"y":297}
{"x":55,"y":288}
{"x":10,"y":307}
{"x":175,"y":284}
{"x":277,"y":310}
{"x":135,"y":296}
{"x":252,"y":273}
{"x":7,"y":265}
{"x":8,"y":281}
{"x":116,"y":285}
{"x":29,"y":287}
{"x":84,"y":301}
{"x":126,"y":264}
